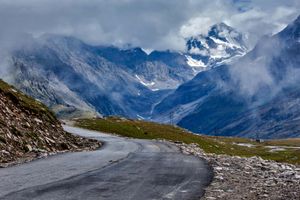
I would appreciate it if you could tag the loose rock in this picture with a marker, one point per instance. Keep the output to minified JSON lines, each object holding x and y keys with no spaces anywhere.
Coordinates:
{"x":248,"y":178}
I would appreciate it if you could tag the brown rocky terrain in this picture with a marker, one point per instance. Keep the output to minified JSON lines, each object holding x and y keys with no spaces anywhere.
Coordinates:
{"x":29,"y":130}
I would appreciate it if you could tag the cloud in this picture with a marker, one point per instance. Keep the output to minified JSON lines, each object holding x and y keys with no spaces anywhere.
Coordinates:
{"x":195,"y":26}
{"x":151,"y":24}
{"x":260,"y":20}
{"x":268,"y":70}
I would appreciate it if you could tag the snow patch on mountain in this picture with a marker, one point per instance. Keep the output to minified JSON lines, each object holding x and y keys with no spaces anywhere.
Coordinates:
{"x":143,"y":82}
{"x":194,"y":63}
{"x":222,"y":42}
{"x":147,"y":51}
{"x":149,"y":85}
{"x":229,"y":44}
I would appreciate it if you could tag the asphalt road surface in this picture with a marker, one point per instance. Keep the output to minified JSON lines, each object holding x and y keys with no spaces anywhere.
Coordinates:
{"x":122,"y":169}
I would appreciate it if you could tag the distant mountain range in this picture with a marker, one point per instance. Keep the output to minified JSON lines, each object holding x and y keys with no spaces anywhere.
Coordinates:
{"x":215,"y":87}
{"x":76,"y":79}
{"x":257,"y":96}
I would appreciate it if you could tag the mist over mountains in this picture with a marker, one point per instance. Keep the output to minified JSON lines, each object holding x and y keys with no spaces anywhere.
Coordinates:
{"x":214,"y":87}
{"x":150,"y":99}
{"x":256,"y":95}
{"x":74,"y":78}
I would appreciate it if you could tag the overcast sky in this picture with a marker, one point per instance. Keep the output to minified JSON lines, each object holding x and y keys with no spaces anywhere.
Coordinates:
{"x":151,"y":24}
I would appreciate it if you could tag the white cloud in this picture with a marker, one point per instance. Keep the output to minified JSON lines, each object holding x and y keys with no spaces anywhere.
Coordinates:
{"x":195,"y":26}
{"x":152,"y":24}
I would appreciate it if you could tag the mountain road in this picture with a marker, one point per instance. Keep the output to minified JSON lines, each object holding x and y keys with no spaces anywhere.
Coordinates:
{"x":122,"y":168}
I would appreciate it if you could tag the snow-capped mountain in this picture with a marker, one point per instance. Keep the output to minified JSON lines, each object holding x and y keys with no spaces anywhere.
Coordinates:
{"x":73,"y":77}
{"x":167,"y":70}
{"x":220,"y":45}
{"x":257,"y":95}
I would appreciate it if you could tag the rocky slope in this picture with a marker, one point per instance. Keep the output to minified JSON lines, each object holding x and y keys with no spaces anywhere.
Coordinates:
{"x":29,"y":130}
{"x":255,"y":97}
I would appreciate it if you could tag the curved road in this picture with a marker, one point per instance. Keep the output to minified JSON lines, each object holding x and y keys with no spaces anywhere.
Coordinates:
{"x":122,"y":169}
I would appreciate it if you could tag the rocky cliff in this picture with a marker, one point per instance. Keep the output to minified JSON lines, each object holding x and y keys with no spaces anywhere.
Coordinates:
{"x":29,"y":130}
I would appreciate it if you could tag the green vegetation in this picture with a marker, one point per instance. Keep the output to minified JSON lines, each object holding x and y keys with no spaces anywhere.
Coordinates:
{"x":218,"y":145}
{"x":25,"y":102}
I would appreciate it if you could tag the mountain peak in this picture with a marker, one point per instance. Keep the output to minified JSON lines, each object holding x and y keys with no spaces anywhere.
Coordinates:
{"x":220,"y":43}
{"x":218,"y":28}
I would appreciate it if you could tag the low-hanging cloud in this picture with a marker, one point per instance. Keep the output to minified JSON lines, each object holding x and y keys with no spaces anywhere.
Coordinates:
{"x":269,"y":69}
{"x":151,"y":24}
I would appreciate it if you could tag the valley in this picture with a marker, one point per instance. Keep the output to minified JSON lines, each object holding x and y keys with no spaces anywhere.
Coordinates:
{"x":225,"y":95}
{"x":150,"y":100}
{"x":56,"y":69}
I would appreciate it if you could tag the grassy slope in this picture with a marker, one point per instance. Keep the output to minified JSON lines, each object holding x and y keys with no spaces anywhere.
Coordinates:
{"x":218,"y":145}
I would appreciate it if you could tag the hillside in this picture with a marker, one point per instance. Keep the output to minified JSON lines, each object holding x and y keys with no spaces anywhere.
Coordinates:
{"x":289,"y":149}
{"x":29,"y":130}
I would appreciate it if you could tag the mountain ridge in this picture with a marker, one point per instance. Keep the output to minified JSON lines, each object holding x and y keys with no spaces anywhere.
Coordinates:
{"x":244,"y":99}
{"x":122,"y":81}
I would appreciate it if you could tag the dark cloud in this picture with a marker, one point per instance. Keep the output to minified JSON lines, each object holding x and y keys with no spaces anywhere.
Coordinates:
{"x":154,"y":24}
